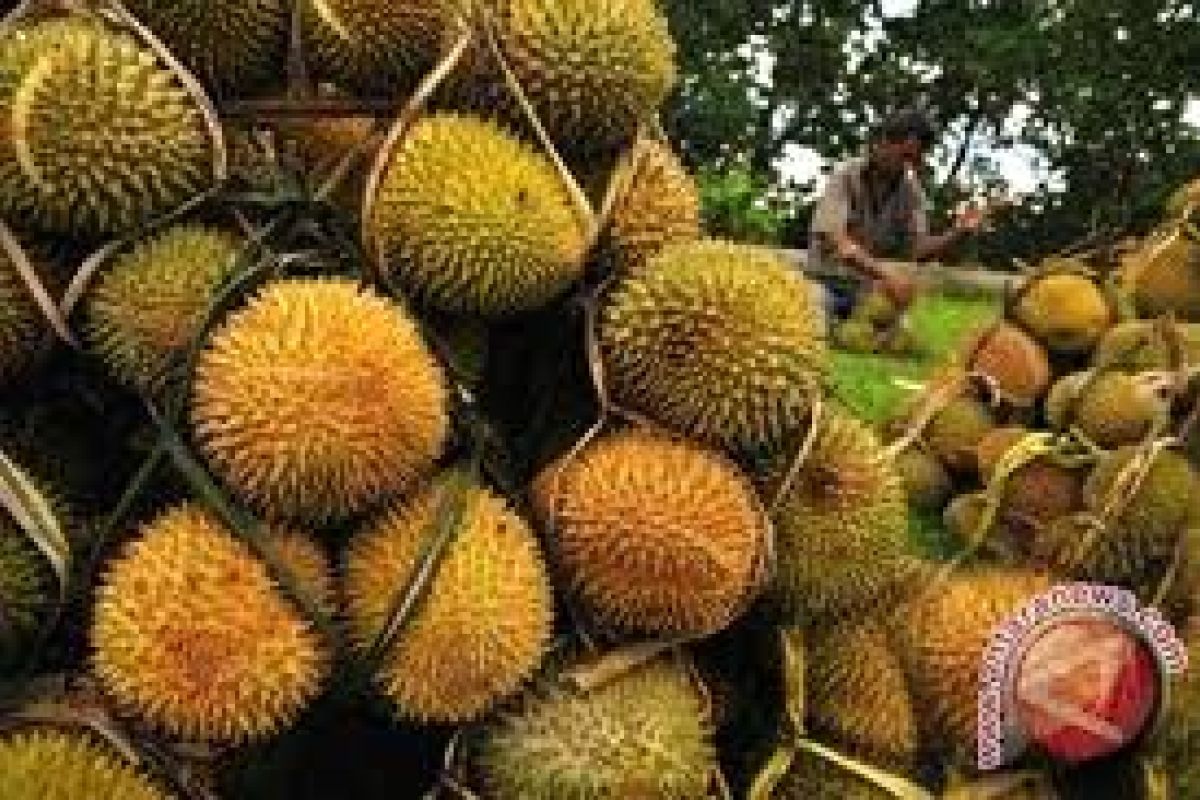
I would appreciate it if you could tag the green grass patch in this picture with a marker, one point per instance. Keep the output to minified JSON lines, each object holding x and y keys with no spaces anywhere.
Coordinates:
{"x":873,"y":386}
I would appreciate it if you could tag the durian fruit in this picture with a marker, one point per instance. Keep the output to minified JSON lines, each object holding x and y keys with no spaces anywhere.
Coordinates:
{"x":1111,"y":408}
{"x":876,"y":309}
{"x":1139,"y":346}
{"x":487,"y":618}
{"x":1164,"y":276}
{"x":470,"y":220}
{"x":956,"y":430}
{"x":946,"y":632}
{"x":22,"y":324}
{"x":842,"y":529}
{"x":654,"y":534}
{"x":1180,"y":742}
{"x":150,"y":303}
{"x":26,"y":591}
{"x":855,"y":336}
{"x":102,"y":137}
{"x":374,"y":47}
{"x":320,"y":145}
{"x":1065,"y":311}
{"x":234,"y":47}
{"x":718,"y":341}
{"x":857,"y":693}
{"x":927,"y":484}
{"x":319,"y":399}
{"x":51,"y":764}
{"x":1040,"y":490}
{"x":593,"y":70}
{"x":645,"y":734}
{"x":1142,"y":536}
{"x":192,"y":635}
{"x":1017,"y":365}
{"x":964,"y":515}
{"x":659,"y":206}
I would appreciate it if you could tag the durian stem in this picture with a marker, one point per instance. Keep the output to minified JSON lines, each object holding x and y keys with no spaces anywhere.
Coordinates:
{"x":408,"y":116}
{"x":772,"y":772}
{"x":801,"y":455}
{"x":37,"y":290}
{"x":35,"y":517}
{"x":437,"y":540}
{"x":308,"y":108}
{"x":589,"y":676}
{"x":897,"y":787}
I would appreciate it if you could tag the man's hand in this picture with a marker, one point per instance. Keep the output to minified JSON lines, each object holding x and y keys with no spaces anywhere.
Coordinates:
{"x":898,"y":286}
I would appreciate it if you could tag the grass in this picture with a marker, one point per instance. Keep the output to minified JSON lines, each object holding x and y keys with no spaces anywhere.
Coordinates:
{"x":873,"y":386}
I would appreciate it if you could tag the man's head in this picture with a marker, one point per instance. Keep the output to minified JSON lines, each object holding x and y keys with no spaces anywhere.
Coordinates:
{"x":902,"y":140}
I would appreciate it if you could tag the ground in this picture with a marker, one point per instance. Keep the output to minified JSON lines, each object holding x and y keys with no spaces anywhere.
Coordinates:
{"x":873,"y":386}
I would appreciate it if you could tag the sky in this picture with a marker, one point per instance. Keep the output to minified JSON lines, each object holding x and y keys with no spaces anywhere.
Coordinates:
{"x":1018,"y":165}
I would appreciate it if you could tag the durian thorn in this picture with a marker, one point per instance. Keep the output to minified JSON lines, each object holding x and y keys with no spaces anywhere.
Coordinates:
{"x":37,"y":290}
{"x":898,"y":787}
{"x":400,"y":128}
{"x":115,"y":11}
{"x":583,"y":206}
{"x":801,"y":457}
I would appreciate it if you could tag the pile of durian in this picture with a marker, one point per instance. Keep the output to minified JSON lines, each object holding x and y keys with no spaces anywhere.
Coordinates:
{"x":1062,"y":441}
{"x":425,"y":447}
{"x":875,"y":325}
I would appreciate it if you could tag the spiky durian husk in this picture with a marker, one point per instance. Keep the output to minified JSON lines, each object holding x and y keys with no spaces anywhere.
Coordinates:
{"x":22,"y":324}
{"x":487,"y":618}
{"x":49,"y":764}
{"x":1040,"y":490}
{"x":320,"y":146}
{"x":25,"y":591}
{"x":102,"y":137}
{"x":927,"y":484}
{"x":593,"y":70}
{"x":644,"y":734}
{"x":856,"y":336}
{"x":1139,"y":346}
{"x":842,"y":530}
{"x":942,"y":644}
{"x":654,"y":534}
{"x":1116,"y":409}
{"x":1142,"y":539}
{"x":320,"y":399}
{"x":1164,"y":276}
{"x":1181,"y":734}
{"x":192,"y":635}
{"x":470,"y":220}
{"x":719,"y":341}
{"x":857,"y":690}
{"x":374,"y":47}
{"x":234,"y":47}
{"x":1065,"y":311}
{"x":956,"y":430}
{"x":1016,"y":363}
{"x":660,"y":206}
{"x":150,"y":303}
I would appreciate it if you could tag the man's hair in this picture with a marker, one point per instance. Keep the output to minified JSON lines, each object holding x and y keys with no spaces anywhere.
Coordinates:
{"x":907,"y":123}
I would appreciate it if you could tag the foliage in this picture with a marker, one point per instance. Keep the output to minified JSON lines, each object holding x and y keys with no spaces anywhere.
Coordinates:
{"x":1097,"y":88}
{"x":739,"y":204}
